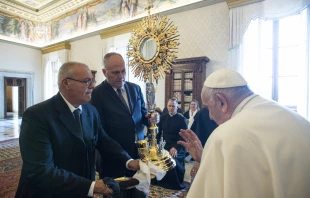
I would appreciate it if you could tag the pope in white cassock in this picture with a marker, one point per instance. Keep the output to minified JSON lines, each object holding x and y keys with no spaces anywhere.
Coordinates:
{"x":260,"y":149}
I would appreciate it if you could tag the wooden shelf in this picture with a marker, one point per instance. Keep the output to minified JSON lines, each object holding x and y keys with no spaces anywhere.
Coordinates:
{"x":192,"y":73}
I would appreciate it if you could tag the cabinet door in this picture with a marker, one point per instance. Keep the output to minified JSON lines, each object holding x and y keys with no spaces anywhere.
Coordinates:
{"x":177,"y":87}
{"x":185,"y":81}
{"x":188,"y":89}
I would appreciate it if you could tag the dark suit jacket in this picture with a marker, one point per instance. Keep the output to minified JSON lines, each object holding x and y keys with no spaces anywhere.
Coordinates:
{"x":186,"y":114}
{"x":120,"y":123}
{"x":203,"y":126}
{"x":57,"y":162}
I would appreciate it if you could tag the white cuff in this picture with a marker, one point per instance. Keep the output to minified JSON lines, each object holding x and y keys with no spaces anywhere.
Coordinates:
{"x":91,"y":189}
{"x":128,"y":163}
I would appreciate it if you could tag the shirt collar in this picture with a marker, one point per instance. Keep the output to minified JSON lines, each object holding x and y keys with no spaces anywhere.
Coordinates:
{"x":123,"y":89}
{"x":115,"y":89}
{"x":173,"y":114}
{"x":71,"y":107}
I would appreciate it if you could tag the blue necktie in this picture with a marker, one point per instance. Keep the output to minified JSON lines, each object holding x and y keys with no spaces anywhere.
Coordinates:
{"x":77,"y":113}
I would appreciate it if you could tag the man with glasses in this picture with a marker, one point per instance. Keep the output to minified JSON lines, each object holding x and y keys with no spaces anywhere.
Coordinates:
{"x":58,"y":139}
{"x":123,"y":114}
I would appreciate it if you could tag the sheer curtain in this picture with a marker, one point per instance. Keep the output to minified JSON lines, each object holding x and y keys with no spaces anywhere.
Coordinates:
{"x":250,"y":53}
{"x":51,"y":78}
{"x":51,"y":62}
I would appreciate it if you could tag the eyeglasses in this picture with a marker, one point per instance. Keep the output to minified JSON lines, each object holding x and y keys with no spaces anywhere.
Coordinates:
{"x":88,"y":82}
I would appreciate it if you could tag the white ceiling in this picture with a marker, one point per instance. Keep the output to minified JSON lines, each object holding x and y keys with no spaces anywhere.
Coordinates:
{"x":40,"y":10}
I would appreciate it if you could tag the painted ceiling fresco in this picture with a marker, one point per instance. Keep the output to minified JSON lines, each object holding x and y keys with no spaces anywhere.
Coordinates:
{"x":93,"y":16}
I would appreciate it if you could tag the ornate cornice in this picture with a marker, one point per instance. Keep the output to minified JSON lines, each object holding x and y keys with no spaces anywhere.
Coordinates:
{"x":119,"y":29}
{"x":56,"y":47}
{"x":237,"y":3}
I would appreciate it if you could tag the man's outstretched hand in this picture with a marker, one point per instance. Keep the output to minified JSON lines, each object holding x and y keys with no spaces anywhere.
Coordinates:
{"x":191,"y":143}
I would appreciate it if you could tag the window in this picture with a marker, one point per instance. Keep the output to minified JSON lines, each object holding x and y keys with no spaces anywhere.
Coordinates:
{"x":51,"y":78}
{"x":274,"y":60}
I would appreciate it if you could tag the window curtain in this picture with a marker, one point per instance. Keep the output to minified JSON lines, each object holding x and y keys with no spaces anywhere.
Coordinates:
{"x":51,"y":62}
{"x":240,"y":18}
{"x":304,"y":73}
{"x":251,"y":65}
{"x":51,"y":78}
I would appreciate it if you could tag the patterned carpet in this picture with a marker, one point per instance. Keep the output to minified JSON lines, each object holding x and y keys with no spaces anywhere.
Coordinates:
{"x":10,"y":167}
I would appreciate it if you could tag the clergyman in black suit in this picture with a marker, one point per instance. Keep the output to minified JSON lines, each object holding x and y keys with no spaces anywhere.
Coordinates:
{"x":58,"y":146}
{"x":124,"y":115}
{"x":203,"y":126}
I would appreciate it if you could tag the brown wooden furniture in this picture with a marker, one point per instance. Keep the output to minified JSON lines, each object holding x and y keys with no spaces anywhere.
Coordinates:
{"x":94,"y":73}
{"x":185,"y":80}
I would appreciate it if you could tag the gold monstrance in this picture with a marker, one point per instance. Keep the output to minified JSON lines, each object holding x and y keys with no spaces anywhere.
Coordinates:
{"x":152,"y":50}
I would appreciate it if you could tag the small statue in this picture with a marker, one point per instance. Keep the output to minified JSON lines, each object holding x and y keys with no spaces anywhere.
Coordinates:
{"x":161,"y":146}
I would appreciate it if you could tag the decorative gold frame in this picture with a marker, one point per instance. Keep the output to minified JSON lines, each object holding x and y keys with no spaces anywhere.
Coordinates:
{"x":165,"y":35}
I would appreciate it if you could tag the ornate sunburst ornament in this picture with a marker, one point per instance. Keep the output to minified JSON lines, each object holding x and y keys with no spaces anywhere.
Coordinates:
{"x":155,"y":60}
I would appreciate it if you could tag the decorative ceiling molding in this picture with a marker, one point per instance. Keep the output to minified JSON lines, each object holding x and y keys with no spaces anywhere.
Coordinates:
{"x":48,"y":13}
{"x":53,"y":48}
{"x":119,"y":29}
{"x":237,"y":3}
{"x":34,"y":5}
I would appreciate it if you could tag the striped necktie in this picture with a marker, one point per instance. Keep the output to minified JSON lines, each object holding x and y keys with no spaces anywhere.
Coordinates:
{"x":120,"y":94}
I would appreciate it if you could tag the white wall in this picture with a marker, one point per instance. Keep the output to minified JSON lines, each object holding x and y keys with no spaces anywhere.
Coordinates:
{"x":92,"y":50}
{"x":203,"y":32}
{"x":89,"y":51}
{"x":23,"y":59}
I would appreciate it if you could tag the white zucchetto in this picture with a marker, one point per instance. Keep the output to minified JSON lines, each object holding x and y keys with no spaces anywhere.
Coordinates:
{"x":225,"y":78}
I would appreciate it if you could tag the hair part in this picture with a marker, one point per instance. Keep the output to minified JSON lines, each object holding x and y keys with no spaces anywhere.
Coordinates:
{"x":107,"y":57}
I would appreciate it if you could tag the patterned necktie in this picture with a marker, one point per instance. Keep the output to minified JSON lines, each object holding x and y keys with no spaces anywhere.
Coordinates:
{"x":119,"y":91}
{"x":77,"y":113}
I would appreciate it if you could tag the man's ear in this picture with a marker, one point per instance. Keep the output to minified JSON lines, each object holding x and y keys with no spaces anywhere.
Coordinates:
{"x":104,"y":71}
{"x":223,"y":101}
{"x":65,"y":83}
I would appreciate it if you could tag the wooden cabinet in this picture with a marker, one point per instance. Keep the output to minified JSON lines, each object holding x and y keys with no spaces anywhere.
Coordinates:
{"x":94,"y":73}
{"x":185,"y":80}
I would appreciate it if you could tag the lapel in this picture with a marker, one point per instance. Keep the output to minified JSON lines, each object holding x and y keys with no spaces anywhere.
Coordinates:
{"x":115,"y":97}
{"x":66,"y":116}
